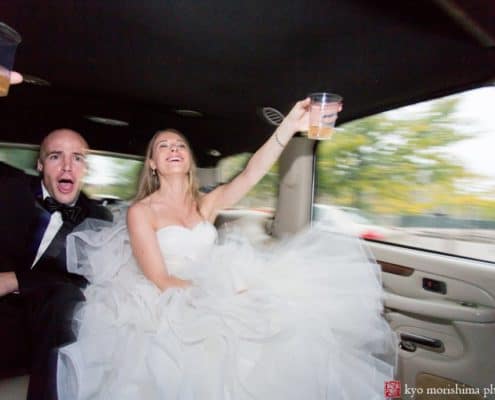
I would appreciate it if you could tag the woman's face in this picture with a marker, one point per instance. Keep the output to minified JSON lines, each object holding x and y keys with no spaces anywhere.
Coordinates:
{"x":171,"y":154}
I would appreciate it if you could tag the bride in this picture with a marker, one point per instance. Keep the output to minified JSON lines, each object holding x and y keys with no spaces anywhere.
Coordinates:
{"x":173,"y":314}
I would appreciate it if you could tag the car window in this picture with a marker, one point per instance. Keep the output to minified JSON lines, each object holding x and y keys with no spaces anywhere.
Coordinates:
{"x":420,"y":176}
{"x":21,"y":156}
{"x":110,"y":177}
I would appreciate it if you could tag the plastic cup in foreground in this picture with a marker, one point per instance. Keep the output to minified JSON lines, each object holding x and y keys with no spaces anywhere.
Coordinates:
{"x":9,"y":39}
{"x":323,"y":112}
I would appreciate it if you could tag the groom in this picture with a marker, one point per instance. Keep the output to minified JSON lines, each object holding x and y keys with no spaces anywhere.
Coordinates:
{"x":37,"y":294}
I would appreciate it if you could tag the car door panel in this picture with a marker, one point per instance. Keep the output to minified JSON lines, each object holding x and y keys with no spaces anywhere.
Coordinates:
{"x":444,"y":337}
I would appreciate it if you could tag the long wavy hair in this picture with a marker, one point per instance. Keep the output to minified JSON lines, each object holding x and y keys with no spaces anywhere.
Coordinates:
{"x":149,"y":182}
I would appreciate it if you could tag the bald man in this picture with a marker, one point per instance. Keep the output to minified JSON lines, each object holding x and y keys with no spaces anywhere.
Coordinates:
{"x":37,"y":294}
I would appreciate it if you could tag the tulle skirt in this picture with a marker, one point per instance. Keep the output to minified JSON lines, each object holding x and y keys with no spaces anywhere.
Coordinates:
{"x":300,"y":320}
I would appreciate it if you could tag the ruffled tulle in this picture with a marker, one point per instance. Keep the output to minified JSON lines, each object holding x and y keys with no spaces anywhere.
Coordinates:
{"x":302,"y":319}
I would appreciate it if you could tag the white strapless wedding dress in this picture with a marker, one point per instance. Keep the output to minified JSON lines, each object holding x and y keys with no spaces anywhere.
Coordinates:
{"x":302,"y":320}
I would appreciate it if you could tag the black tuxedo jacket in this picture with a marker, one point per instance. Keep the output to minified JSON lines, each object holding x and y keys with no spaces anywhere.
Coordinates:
{"x":22,"y":224}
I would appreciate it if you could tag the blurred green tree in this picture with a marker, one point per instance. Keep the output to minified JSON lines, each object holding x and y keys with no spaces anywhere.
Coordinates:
{"x":264,"y":194}
{"x":387,"y":165}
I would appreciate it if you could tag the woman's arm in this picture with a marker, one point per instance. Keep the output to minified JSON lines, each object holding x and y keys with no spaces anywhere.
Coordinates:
{"x":229,"y":194}
{"x":145,"y":248}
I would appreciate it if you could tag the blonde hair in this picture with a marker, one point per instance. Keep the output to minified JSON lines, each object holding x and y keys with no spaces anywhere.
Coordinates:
{"x":149,"y":181}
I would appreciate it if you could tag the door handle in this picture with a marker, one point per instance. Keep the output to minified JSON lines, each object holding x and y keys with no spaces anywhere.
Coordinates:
{"x":409,"y":341}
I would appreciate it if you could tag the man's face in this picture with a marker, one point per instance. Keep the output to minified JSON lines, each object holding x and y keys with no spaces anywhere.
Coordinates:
{"x":62,"y":164}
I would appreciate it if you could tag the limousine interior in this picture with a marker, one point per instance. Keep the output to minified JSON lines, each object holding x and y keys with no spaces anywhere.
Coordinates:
{"x":411,"y":153}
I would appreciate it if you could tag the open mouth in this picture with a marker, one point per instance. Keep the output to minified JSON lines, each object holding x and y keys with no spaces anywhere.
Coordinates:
{"x":174,"y":159}
{"x":65,"y":185}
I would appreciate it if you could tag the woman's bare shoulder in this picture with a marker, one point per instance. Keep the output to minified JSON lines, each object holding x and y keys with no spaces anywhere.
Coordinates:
{"x":140,"y":210}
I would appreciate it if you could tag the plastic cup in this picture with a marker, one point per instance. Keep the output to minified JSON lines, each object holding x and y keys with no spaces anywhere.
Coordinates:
{"x":323,"y":112}
{"x":9,"y":39}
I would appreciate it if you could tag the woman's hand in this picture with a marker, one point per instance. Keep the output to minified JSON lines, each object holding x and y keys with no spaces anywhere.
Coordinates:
{"x":297,"y":120}
{"x":15,"y":78}
{"x":173,"y":282}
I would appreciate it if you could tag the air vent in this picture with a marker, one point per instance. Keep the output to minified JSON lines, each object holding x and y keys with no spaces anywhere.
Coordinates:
{"x":272,"y":115}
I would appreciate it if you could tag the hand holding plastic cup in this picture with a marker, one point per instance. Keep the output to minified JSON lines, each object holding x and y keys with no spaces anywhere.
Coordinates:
{"x":323,"y":112}
{"x":9,"y":39}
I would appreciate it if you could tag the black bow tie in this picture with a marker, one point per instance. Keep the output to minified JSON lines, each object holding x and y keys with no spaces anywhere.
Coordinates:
{"x":72,"y":214}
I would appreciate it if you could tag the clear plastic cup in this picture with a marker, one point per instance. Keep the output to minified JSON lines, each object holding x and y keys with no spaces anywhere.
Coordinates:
{"x":323,"y":112}
{"x":9,"y":39}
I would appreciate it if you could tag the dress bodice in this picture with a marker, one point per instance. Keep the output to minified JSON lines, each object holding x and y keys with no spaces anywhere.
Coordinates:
{"x":181,"y":246}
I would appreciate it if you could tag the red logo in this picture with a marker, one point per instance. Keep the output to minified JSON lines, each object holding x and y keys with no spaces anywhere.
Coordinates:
{"x":392,"y":389}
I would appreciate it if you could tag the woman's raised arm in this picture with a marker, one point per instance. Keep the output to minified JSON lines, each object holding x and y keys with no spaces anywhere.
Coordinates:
{"x":229,"y":194}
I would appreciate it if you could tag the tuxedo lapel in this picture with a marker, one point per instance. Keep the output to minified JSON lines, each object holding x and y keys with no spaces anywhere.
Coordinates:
{"x":39,"y":222}
{"x":55,"y":253}
{"x":41,"y":218}
{"x":85,"y":205}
